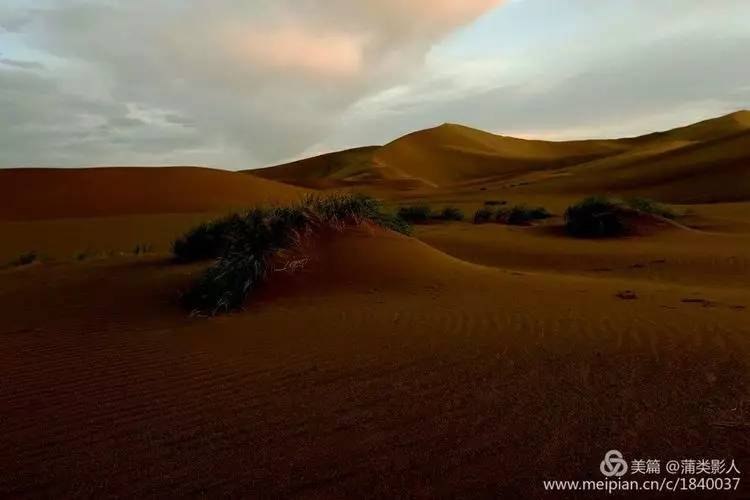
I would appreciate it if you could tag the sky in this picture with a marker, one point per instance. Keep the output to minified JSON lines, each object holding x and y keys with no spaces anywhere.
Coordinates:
{"x":247,"y":83}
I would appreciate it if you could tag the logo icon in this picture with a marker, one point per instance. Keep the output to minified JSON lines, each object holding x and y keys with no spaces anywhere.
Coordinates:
{"x":613,"y":464}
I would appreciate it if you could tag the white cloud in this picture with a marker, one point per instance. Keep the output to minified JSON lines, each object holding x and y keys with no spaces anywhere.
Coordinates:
{"x":249,"y":82}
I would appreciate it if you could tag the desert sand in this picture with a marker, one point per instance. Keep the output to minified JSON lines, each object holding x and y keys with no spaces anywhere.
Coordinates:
{"x":466,"y":361}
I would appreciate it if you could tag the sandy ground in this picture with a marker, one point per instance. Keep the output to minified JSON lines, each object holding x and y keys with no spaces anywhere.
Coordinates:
{"x":465,"y":362}
{"x":477,"y":362}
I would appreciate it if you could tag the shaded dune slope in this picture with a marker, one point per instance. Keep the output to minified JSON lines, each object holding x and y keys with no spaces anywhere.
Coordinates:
{"x":58,"y":193}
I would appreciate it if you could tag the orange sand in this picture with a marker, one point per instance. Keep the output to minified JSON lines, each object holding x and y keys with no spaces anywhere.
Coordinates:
{"x":468,"y":361}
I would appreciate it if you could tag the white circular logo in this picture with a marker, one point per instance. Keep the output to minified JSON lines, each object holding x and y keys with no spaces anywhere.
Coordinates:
{"x":613,"y":464}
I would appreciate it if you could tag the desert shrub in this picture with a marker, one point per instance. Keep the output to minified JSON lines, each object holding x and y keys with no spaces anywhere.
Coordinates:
{"x":24,"y":259}
{"x":517,"y":215}
{"x":252,"y":240}
{"x":652,"y":207}
{"x":483,"y":215}
{"x":206,"y":241}
{"x":392,"y":222}
{"x":495,"y":203}
{"x":450,"y":213}
{"x":597,"y":217}
{"x":415,"y":214}
{"x":520,"y":215}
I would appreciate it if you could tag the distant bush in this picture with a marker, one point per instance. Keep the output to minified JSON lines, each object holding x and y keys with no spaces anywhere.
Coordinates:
{"x":601,"y":216}
{"x":483,"y":215}
{"x":450,"y":213}
{"x":246,"y":244}
{"x":416,"y":214}
{"x":24,"y":259}
{"x":495,"y":203}
{"x":520,"y":215}
{"x":517,"y":215}
{"x":652,"y":207}
{"x":597,"y":217}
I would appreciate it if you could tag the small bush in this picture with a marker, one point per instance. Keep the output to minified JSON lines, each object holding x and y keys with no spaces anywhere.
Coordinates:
{"x":450,"y":213}
{"x":24,"y":259}
{"x":597,"y":217}
{"x":652,"y":207}
{"x":520,"y":215}
{"x":251,"y":240}
{"x":417,"y":214}
{"x":495,"y":203}
{"x":517,"y":215}
{"x":483,"y":215}
{"x":206,"y":241}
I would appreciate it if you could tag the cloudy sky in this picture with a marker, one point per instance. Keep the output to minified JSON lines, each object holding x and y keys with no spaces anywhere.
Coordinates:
{"x":247,"y":83}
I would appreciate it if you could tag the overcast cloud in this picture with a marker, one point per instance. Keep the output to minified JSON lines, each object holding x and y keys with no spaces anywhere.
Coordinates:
{"x":240,"y":84}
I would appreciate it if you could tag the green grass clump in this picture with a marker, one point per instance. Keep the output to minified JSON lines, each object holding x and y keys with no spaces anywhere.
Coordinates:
{"x":247,"y":243}
{"x":602,"y":216}
{"x":206,"y":241}
{"x":24,"y":259}
{"x":597,"y":217}
{"x":517,"y":215}
{"x":450,"y":214}
{"x":520,"y":215}
{"x":648,"y":206}
{"x":483,"y":215}
{"x":416,"y":214}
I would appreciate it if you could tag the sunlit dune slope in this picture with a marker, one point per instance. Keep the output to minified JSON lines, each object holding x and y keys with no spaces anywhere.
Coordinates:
{"x":453,"y":153}
{"x":703,"y":163}
{"x":58,"y":193}
{"x":438,"y":156}
{"x":328,"y":170}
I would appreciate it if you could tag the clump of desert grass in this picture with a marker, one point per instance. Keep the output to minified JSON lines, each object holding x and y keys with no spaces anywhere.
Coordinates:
{"x":244,"y":245}
{"x":606,"y":217}
{"x":415,"y":214}
{"x":24,"y":259}
{"x":423,"y":214}
{"x":208,"y":240}
{"x":649,"y":206}
{"x":517,"y":215}
{"x":450,"y":214}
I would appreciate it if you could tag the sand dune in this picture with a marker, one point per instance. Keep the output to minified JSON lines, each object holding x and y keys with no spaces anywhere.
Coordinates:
{"x":699,"y":163}
{"x":59,"y":193}
{"x":467,"y":361}
{"x":704,"y":163}
{"x":388,"y":367}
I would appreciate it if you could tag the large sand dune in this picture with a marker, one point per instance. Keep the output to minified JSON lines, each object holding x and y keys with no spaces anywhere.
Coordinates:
{"x":704,"y":162}
{"x":34,"y":193}
{"x":466,"y":361}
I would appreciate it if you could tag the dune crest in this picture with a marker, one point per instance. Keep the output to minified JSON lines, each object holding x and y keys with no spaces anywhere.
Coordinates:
{"x":32,"y":193}
{"x":703,"y":162}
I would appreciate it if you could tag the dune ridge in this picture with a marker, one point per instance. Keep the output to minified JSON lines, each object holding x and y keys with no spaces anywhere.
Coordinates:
{"x":42,"y":193}
{"x":708,"y":161}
